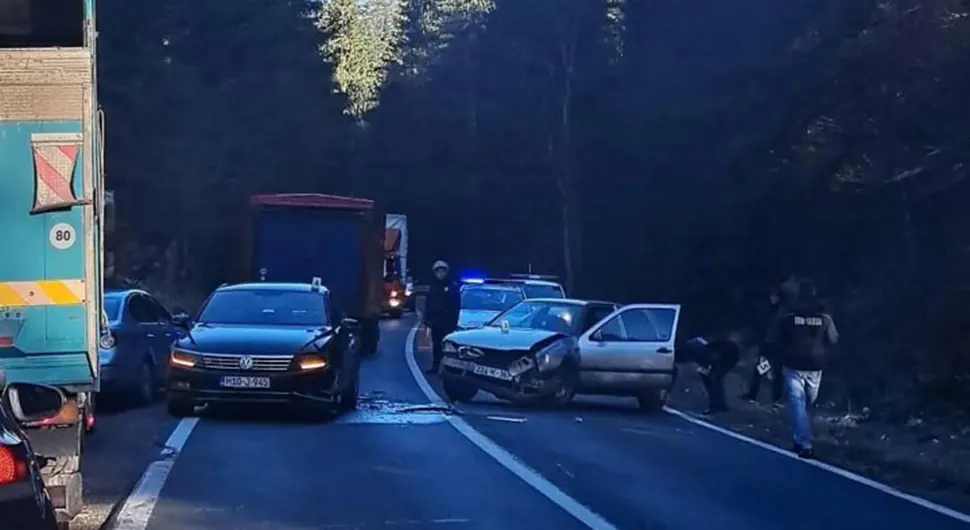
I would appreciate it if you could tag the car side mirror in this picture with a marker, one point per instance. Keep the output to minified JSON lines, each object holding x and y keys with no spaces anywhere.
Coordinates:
{"x":349,"y":324}
{"x":181,"y":319}
{"x":29,"y":402}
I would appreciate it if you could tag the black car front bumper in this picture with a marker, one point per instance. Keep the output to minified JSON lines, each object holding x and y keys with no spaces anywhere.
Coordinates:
{"x":199,"y":385}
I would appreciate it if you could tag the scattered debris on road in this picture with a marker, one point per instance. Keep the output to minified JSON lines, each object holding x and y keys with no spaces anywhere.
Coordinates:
{"x":506,"y":418}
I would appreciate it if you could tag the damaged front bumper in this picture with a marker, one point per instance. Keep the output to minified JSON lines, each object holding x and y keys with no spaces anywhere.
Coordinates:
{"x":520,"y":381}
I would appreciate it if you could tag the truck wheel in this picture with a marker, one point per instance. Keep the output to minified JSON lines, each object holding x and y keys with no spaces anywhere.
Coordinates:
{"x":179,"y":409}
{"x":459,"y":392}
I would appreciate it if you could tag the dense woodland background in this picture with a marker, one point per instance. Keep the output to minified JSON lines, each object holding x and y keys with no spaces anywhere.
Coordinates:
{"x":679,"y":150}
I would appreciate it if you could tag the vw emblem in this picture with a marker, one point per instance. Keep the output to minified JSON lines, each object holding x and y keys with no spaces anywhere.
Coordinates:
{"x":469,"y":352}
{"x":246,"y":363}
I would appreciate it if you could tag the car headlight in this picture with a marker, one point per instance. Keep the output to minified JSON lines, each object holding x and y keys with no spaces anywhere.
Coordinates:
{"x":183,"y":359}
{"x":550,"y":357}
{"x":309,"y":361}
{"x":449,"y":347}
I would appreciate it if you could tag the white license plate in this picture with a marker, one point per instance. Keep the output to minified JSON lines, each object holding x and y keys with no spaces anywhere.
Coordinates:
{"x":478,"y":369}
{"x":244,"y":382}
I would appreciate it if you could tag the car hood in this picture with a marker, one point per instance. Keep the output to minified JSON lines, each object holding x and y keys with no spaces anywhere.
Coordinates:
{"x":250,"y":340}
{"x":494,"y":338}
{"x":475,"y":318}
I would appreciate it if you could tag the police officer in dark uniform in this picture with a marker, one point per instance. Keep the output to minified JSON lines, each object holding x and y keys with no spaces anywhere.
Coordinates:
{"x":441,"y":310}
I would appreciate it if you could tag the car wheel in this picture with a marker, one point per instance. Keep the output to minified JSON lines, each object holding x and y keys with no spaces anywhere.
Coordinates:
{"x":652,"y":400}
{"x":459,"y":392}
{"x":145,"y":393}
{"x":567,"y":388}
{"x":348,"y":399}
{"x":180,"y":409}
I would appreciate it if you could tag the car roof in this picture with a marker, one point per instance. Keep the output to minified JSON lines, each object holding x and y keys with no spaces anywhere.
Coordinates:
{"x":493,"y":286}
{"x":570,"y":301}
{"x":523,"y":281}
{"x":541,"y":282}
{"x":271,"y":286}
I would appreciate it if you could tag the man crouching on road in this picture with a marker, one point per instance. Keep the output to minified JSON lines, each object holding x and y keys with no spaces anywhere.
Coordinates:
{"x":441,"y":310}
{"x":804,"y":334}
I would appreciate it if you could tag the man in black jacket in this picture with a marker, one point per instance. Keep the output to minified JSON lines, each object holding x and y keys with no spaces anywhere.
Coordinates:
{"x":804,"y":335}
{"x":441,"y":309}
{"x":768,"y":352}
{"x":715,"y":357}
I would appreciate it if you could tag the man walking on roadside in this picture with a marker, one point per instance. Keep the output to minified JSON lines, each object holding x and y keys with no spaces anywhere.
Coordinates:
{"x":441,"y":310}
{"x":804,"y":335}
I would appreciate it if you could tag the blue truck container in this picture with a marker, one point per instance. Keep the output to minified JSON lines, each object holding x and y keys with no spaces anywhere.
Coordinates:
{"x":51,"y":196}
{"x":298,"y":237}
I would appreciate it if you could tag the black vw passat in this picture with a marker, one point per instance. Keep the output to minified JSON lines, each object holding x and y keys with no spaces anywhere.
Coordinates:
{"x":24,"y":502}
{"x":265,"y":343}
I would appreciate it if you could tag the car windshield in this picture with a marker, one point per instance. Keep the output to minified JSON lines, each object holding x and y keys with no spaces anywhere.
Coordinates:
{"x":481,"y":298}
{"x":543,"y":291}
{"x":549,"y":316}
{"x":112,"y":307}
{"x":265,"y":307}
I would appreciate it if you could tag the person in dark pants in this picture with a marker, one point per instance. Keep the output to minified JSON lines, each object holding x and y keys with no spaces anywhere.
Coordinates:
{"x":769,"y":352}
{"x":441,"y":309}
{"x":715,"y":358}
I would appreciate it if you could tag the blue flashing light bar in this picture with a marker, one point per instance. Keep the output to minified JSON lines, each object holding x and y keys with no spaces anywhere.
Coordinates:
{"x":477,"y":281}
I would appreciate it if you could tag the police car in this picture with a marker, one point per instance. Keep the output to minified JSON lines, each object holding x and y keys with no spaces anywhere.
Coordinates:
{"x":534,"y":285}
{"x":482,"y":300}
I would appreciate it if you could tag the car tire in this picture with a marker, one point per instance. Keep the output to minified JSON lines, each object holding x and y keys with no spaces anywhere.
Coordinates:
{"x":145,"y":393}
{"x":652,"y":401}
{"x":179,"y":409}
{"x":349,"y":397}
{"x":458,"y":391}
{"x":567,"y":390}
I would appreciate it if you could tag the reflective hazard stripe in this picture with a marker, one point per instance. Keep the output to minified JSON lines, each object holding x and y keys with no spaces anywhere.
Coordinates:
{"x":39,"y":293}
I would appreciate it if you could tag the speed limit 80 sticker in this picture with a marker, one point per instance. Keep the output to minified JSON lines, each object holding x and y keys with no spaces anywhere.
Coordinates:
{"x":62,"y":236}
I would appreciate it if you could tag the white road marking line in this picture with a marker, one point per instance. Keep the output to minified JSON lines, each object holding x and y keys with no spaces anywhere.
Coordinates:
{"x":885,"y":488}
{"x":138,"y":507}
{"x":503,"y":457}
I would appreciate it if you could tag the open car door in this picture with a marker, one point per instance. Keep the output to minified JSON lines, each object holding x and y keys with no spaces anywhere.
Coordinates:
{"x":637,"y":338}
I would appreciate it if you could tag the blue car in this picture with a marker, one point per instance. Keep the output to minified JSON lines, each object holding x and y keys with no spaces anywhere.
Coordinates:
{"x":134,"y":355}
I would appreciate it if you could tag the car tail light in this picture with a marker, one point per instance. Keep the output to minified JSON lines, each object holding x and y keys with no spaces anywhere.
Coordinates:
{"x":12,"y":469}
{"x":310,"y":362}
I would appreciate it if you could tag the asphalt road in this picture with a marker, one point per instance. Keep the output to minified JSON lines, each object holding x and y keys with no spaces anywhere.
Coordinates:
{"x":598,"y":464}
